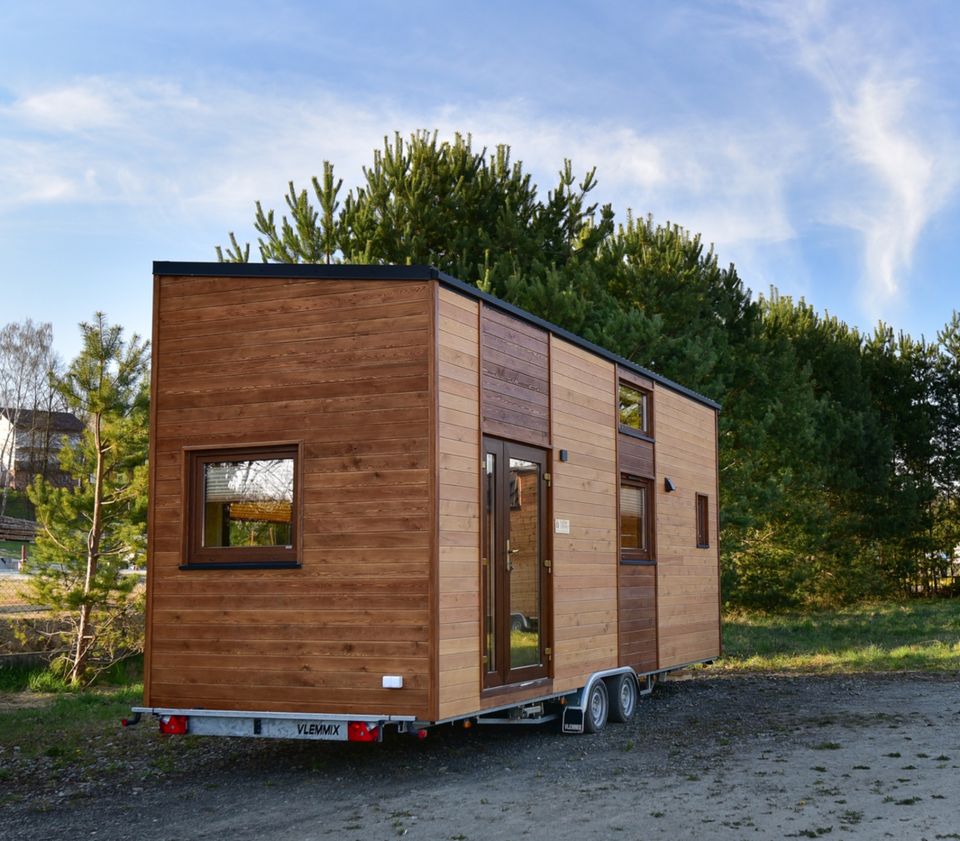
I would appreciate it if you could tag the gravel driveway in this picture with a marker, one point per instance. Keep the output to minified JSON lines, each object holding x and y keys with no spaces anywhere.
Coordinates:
{"x":720,"y":758}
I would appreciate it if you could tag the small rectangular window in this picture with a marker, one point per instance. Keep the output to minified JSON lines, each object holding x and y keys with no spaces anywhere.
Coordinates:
{"x":243,"y":506}
{"x":634,"y":408}
{"x":703,"y":522}
{"x":636,"y":520}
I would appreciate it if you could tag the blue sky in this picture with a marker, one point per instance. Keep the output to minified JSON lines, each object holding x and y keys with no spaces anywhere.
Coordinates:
{"x":814,"y":143}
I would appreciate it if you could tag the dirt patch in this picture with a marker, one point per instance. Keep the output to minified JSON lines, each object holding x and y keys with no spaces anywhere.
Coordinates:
{"x":24,"y":700}
{"x":724,"y":758}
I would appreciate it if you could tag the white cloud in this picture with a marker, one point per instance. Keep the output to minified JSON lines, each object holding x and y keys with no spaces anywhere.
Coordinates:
{"x":208,"y":151}
{"x":912,"y":178}
{"x":890,"y":160}
{"x":216,"y":150}
{"x":72,"y":108}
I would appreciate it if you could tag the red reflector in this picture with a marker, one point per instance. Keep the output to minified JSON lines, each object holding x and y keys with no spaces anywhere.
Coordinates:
{"x":173,"y":725}
{"x":360,"y":731}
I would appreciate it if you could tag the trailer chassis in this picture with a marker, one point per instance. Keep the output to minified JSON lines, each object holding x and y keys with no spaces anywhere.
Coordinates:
{"x":609,"y":694}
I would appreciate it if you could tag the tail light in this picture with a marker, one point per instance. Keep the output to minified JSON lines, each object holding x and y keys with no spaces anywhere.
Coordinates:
{"x":360,"y":731}
{"x":173,"y":725}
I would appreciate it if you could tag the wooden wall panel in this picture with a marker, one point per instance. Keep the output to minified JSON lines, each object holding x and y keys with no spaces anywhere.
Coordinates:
{"x":638,"y":616}
{"x":688,"y":577}
{"x":345,"y":368}
{"x":514,"y":381}
{"x":636,"y":456}
{"x":583,"y":389}
{"x":459,"y":465}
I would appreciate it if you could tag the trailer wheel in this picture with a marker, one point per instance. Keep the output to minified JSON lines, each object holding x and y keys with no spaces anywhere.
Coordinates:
{"x":623,"y":698}
{"x":597,"y":709}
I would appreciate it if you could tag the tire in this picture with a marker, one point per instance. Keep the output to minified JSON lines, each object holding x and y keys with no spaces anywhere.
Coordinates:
{"x":518,"y":622}
{"x":597,"y":708}
{"x":623,"y":698}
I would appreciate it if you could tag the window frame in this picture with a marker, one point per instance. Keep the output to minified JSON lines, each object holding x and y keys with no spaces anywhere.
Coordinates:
{"x":702,"y":509}
{"x":645,"y":432}
{"x":195,"y":554}
{"x":630,"y":555}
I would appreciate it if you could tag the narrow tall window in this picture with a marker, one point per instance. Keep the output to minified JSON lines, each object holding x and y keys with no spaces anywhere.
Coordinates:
{"x":243,"y":506}
{"x":703,"y":522}
{"x":636,"y":520}
{"x":634,"y":409}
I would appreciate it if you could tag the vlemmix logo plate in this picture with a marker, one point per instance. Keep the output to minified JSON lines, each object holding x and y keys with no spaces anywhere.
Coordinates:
{"x":282,"y":728}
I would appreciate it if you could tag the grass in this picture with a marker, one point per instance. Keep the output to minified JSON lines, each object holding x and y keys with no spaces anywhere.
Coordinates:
{"x":524,"y":648}
{"x":11,"y":548}
{"x":19,"y":506}
{"x":62,"y":727}
{"x":875,"y":637}
{"x":39,"y":678}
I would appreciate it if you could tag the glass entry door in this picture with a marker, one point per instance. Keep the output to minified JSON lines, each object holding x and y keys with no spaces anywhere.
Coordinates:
{"x":512,"y":553}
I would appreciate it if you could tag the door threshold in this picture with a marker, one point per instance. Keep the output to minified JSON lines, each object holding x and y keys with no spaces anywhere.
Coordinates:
{"x":521,"y":686}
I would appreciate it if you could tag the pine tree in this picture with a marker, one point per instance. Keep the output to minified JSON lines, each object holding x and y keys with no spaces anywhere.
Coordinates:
{"x":838,"y":455}
{"x":93,"y":529}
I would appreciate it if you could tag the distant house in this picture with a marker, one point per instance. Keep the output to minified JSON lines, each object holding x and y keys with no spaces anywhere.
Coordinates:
{"x":30,"y":444}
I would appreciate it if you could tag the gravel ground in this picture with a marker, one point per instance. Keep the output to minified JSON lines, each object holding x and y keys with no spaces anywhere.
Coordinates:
{"x":720,"y":758}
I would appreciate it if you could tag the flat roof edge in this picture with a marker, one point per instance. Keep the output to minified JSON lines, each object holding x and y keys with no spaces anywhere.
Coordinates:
{"x":573,"y":338}
{"x":354,"y":271}
{"x":319,"y":271}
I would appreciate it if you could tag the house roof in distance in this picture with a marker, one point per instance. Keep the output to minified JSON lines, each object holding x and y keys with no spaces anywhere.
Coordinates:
{"x":65,"y":422}
{"x":355,"y":271}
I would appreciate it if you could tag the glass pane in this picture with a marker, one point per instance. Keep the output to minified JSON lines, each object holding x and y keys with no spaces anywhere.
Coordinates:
{"x":523,"y":563}
{"x":489,"y":560}
{"x":703,"y":538}
{"x":248,"y":503}
{"x":633,"y":515}
{"x":634,"y":408}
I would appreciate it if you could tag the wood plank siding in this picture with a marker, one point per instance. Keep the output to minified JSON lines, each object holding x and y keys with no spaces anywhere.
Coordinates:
{"x":459,"y":465}
{"x":637,"y":586}
{"x":638,"y":616}
{"x":385,"y":390}
{"x":344,"y":369}
{"x":687,"y":576}
{"x":583,"y":412}
{"x":514,"y":381}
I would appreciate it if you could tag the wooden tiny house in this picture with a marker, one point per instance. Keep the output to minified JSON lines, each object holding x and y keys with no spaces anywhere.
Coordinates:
{"x":378,"y":493}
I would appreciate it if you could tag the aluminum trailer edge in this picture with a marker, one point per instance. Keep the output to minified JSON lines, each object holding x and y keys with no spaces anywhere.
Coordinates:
{"x":609,"y":694}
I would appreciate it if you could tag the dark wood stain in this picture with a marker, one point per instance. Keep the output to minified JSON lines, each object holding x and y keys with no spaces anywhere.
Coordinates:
{"x":636,"y":457}
{"x":514,"y":378}
{"x":346,"y":369}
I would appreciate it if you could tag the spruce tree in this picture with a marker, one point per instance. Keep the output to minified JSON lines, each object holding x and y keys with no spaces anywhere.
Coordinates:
{"x":89,"y":532}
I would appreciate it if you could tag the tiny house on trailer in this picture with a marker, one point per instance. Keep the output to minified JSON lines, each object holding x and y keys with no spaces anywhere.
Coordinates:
{"x":382,"y":498}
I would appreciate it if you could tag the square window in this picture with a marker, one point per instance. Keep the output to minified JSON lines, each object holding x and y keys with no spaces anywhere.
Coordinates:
{"x":635,"y":407}
{"x":243,"y":506}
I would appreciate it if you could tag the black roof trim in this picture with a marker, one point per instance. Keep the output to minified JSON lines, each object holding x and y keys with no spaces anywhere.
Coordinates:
{"x":487,"y":298}
{"x":352,"y":271}
{"x":318,"y":271}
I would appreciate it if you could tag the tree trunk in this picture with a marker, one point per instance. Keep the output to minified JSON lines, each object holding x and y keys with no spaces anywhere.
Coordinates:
{"x":85,"y":635}
{"x":82,"y":649}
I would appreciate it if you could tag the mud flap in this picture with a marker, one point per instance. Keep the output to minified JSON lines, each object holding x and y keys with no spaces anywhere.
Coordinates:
{"x":572,"y":720}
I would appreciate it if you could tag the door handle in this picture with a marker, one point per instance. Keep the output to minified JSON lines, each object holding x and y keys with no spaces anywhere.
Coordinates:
{"x":509,"y":563}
